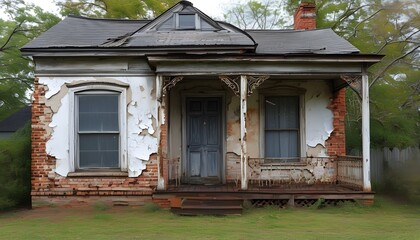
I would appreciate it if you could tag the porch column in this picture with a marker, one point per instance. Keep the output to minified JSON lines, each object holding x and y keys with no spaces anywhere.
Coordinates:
{"x":160,"y":108}
{"x":244,"y":158}
{"x":365,"y":131}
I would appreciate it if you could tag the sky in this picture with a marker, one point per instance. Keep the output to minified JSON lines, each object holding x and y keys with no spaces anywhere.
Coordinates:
{"x":213,"y":8}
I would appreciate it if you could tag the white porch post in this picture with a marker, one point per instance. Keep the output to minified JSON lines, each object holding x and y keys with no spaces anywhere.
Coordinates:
{"x":366,"y":131}
{"x":160,"y":121}
{"x":244,"y":159}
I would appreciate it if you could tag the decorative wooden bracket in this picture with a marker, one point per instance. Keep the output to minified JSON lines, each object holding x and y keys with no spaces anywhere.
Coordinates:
{"x":355,"y":83}
{"x":254,"y":82}
{"x":170,"y":82}
{"x":232,"y":83}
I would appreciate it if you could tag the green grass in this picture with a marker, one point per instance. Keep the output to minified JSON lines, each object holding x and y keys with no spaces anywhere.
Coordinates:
{"x":385,"y":220}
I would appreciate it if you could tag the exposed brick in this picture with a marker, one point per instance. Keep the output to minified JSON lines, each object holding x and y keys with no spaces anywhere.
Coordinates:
{"x":51,"y":187}
{"x":336,"y":142}
{"x":305,"y":16}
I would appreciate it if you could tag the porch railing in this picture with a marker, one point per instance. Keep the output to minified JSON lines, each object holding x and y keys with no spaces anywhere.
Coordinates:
{"x":350,"y":171}
{"x":293,"y":172}
{"x":344,"y":170}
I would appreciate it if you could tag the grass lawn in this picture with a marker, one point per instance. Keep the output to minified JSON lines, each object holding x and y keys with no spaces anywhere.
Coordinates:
{"x":385,"y":220}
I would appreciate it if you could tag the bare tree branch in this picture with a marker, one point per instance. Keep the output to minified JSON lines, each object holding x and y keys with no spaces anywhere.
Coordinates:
{"x":400,"y":41}
{"x":15,"y":30}
{"x":392,"y":63}
{"x":349,"y":13}
{"x":363,"y":21}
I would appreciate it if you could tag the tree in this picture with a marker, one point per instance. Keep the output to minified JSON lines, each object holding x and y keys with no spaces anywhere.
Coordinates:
{"x":128,"y":9}
{"x":15,"y":169}
{"x":257,"y":15}
{"x":16,"y":71}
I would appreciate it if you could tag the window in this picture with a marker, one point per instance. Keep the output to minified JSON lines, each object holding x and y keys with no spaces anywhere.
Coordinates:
{"x":186,"y":21}
{"x":97,"y":127}
{"x":282,"y":127}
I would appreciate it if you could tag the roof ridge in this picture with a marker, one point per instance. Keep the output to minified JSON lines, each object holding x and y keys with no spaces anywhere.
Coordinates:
{"x":109,"y":19}
{"x":285,"y":30}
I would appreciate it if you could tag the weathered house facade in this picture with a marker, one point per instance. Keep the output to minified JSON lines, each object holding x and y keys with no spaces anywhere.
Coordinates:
{"x":130,"y":111}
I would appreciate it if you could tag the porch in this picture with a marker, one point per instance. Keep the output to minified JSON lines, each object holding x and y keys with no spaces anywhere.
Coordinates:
{"x":269,"y":189}
{"x":223,"y":126}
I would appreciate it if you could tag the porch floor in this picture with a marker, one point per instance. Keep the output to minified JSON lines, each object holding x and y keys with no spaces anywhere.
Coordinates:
{"x":287,"y":193}
{"x":283,"y":188}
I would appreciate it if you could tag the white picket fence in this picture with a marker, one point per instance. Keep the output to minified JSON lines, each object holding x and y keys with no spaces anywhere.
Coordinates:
{"x":394,"y":159}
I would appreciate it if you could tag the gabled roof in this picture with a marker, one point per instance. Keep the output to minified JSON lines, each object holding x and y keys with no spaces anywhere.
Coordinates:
{"x":16,"y":120}
{"x":74,"y":34}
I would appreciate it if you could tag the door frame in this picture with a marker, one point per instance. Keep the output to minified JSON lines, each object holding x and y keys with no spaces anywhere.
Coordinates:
{"x":184,"y":154}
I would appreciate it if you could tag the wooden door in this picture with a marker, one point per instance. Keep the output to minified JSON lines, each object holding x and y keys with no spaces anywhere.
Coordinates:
{"x":204,"y":140}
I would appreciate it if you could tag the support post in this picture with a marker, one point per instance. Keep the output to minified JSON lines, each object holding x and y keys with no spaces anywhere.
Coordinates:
{"x":160,"y":121}
{"x":244,"y":158}
{"x":366,"y":131}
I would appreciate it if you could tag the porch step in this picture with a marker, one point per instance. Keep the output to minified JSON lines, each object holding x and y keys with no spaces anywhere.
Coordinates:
{"x":209,"y":205}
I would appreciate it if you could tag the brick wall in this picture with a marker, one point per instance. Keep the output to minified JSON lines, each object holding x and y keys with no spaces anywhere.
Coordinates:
{"x":336,"y":143}
{"x":51,"y":188}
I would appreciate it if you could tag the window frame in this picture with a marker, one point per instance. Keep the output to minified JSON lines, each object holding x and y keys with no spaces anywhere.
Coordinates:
{"x":284,"y":92}
{"x":196,"y":22}
{"x":74,"y":135}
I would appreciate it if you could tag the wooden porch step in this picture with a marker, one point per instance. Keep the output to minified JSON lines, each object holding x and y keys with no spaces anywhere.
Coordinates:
{"x":209,"y":205}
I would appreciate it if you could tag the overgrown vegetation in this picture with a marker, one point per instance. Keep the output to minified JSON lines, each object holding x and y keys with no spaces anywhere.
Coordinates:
{"x":385,"y":220}
{"x":15,"y":165}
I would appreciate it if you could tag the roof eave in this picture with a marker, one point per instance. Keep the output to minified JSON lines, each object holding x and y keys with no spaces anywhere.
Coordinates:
{"x":132,"y":51}
{"x":369,"y":59}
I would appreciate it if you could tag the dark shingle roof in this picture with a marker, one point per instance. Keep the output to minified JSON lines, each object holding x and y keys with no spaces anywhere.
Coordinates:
{"x":16,"y":120}
{"x":188,"y":38}
{"x":79,"y":32}
{"x":84,"y":32}
{"x":319,"y":41}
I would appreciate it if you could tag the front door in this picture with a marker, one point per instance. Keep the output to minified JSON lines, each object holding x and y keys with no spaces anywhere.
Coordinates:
{"x":204,"y":140}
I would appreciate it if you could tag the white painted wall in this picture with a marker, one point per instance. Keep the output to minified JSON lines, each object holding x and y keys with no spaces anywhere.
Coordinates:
{"x":141,"y":116}
{"x":319,"y":119}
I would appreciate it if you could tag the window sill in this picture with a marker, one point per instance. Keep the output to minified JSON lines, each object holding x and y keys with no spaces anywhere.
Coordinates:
{"x":97,"y":174}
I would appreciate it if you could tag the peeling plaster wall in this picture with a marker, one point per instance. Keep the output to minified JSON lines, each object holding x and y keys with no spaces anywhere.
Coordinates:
{"x":233,"y":125}
{"x":319,"y":119}
{"x":141,"y":118}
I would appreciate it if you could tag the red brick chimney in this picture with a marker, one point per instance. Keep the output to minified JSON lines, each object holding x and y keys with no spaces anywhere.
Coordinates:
{"x":305,"y":16}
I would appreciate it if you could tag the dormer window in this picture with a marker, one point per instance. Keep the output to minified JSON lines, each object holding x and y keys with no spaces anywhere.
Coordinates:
{"x":187,"y":21}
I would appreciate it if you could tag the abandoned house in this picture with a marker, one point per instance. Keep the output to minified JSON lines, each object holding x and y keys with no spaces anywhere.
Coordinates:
{"x":185,"y":111}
